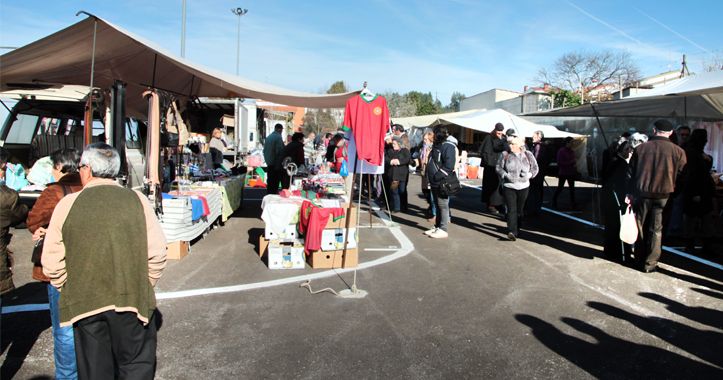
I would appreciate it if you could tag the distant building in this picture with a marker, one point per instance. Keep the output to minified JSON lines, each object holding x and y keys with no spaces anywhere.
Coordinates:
{"x":531,"y":100}
{"x":646,"y":84}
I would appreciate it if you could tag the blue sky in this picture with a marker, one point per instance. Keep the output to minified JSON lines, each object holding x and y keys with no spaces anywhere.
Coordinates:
{"x":436,"y":46}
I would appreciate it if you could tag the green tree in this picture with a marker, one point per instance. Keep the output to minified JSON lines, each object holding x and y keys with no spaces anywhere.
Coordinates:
{"x":424,"y":103}
{"x":319,"y":121}
{"x":455,"y":101}
{"x":565,"y":98}
{"x":338,"y":87}
{"x":400,"y":105}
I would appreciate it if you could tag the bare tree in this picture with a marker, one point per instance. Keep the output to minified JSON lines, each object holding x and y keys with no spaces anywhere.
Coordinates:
{"x":715,"y":63}
{"x":579,"y":71}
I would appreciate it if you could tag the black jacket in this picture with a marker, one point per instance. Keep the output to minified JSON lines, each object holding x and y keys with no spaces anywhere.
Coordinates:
{"x":295,"y":150}
{"x":441,"y":163}
{"x":397,"y":172}
{"x":491,"y":149}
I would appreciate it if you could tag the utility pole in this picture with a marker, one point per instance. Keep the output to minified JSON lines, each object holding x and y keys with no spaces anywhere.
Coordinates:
{"x":238,"y":12}
{"x":183,"y":29}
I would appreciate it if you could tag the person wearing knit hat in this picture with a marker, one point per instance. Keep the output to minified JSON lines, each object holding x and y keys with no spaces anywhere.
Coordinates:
{"x":511,"y":132}
{"x":492,"y":146}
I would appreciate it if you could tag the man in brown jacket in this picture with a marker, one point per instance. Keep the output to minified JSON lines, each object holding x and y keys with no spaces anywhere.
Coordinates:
{"x":655,"y":166}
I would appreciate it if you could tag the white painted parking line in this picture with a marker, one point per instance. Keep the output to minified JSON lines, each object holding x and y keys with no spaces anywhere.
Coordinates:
{"x":406,"y":247}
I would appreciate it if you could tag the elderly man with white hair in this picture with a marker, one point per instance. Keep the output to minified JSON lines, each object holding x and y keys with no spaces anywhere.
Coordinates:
{"x":104,"y":250}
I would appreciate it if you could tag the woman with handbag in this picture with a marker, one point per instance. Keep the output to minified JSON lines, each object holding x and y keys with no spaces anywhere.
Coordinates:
{"x":396,"y":161}
{"x":440,"y":169}
{"x":515,"y":169}
{"x":615,"y":184}
{"x":65,"y":172}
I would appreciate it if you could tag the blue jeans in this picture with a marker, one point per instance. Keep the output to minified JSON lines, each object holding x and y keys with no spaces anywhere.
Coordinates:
{"x":65,"y":365}
{"x":396,"y":195}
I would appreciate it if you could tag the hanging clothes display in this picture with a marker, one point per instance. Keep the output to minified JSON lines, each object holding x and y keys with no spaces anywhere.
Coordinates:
{"x":368,"y":121}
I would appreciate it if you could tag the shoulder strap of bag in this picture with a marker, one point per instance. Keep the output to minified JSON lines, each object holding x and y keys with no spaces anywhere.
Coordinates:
{"x":65,"y":190}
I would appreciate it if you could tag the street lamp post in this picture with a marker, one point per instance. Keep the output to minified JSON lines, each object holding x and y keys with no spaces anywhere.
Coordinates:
{"x":238,"y":12}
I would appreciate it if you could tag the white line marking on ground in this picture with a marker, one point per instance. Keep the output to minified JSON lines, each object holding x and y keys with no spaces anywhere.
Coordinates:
{"x":25,"y":308}
{"x":406,"y":247}
{"x":586,"y":222}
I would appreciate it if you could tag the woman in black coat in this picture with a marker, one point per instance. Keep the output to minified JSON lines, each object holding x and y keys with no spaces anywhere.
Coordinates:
{"x":616,"y":179}
{"x":396,"y":170}
{"x":442,"y":160}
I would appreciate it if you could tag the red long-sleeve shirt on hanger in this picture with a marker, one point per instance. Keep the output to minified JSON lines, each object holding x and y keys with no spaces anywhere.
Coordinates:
{"x":312,"y":220}
{"x":369,"y":122}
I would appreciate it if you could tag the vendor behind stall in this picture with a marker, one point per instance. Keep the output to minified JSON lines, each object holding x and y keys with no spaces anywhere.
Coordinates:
{"x":293,"y":152}
{"x":217,"y":146}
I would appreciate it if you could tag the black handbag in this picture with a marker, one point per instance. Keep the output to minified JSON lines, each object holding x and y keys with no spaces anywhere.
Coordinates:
{"x":450,"y":183}
{"x":37,"y":251}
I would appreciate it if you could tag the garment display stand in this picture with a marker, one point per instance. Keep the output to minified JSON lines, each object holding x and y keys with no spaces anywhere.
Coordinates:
{"x":353,"y":291}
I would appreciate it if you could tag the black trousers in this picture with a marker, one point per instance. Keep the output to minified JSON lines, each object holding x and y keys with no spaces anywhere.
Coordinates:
{"x":515,"y":202}
{"x":649,"y":215}
{"x":613,"y":247}
{"x":113,"y":345}
{"x":490,"y":184}
{"x":535,"y":198}
{"x":561,"y":185}
{"x":273,"y":179}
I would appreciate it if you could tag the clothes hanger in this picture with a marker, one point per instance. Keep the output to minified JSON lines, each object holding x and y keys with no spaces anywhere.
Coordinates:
{"x":365,"y":92}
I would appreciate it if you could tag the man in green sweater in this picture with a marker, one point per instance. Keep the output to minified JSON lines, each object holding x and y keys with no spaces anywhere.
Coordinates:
{"x":104,"y":250}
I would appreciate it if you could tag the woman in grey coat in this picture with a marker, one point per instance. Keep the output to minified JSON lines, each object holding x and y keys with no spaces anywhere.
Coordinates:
{"x":515,"y":170}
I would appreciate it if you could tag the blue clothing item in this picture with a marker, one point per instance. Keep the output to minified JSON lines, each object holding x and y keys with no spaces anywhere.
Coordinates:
{"x":196,"y":209}
{"x":64,"y":351}
{"x":396,"y":199}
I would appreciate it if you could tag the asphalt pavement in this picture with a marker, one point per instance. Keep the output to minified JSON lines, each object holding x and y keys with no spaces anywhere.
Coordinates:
{"x":471,"y":306}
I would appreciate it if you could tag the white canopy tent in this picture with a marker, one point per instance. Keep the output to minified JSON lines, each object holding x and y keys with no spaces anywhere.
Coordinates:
{"x":65,"y":57}
{"x":482,"y":120}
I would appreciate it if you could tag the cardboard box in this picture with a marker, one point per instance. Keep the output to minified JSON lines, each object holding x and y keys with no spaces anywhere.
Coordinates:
{"x":263,"y":244}
{"x":289,"y":233}
{"x":286,"y":257}
{"x":351,"y":259}
{"x":333,"y":239}
{"x":341,"y":223}
{"x":177,"y":250}
{"x":333,"y":259}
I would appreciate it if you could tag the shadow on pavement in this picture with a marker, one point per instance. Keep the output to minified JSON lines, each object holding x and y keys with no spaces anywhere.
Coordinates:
{"x":705,"y":344}
{"x":612,"y":357}
{"x":21,"y":330}
{"x":703,"y":315}
{"x":708,"y":293}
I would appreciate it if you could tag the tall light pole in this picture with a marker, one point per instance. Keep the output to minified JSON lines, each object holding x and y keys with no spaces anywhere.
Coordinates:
{"x":183,"y":30}
{"x":238,"y":12}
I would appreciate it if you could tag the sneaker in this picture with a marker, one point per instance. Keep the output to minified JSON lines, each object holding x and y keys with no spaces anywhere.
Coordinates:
{"x":430,"y":231}
{"x":511,"y":236}
{"x":439,"y":234}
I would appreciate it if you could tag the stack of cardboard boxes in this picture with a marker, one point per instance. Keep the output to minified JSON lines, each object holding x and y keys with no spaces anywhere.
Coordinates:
{"x":287,"y":251}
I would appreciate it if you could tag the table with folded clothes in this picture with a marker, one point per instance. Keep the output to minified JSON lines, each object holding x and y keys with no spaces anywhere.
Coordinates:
{"x":307,"y":219}
{"x":188,"y":214}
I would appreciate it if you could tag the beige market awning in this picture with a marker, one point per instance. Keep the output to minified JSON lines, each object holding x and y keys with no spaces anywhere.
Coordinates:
{"x":65,"y":57}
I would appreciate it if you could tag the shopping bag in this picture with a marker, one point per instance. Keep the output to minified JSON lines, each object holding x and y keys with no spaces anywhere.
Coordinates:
{"x":628,"y":226}
{"x":344,"y":170}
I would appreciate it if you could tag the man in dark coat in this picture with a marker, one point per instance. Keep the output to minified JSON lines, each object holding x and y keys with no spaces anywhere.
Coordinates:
{"x":540,"y":150}
{"x":12,"y":212}
{"x":494,"y":144}
{"x":655,"y":165}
